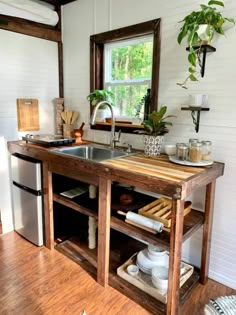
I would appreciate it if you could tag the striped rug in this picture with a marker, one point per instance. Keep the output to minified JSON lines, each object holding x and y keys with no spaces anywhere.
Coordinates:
{"x":225,"y":305}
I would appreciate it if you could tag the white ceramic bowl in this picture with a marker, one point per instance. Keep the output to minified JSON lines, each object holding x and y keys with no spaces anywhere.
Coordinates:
{"x":160,"y":277}
{"x":170,"y":149}
{"x":157,"y":253}
{"x":132,"y":270}
{"x":145,"y":263}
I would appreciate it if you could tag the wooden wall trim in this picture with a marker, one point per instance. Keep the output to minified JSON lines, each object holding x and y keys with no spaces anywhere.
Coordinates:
{"x":22,"y":26}
{"x":60,"y":56}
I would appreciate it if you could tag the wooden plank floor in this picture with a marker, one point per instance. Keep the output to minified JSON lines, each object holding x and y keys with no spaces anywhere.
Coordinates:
{"x":36,"y":281}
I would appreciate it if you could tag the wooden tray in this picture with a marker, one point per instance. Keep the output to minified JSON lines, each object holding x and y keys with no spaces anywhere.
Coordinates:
{"x":144,"y":281}
{"x":160,"y":210}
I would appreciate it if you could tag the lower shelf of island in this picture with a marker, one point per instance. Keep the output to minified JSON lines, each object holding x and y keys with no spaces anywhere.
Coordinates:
{"x":78,"y":251}
{"x":135,"y":239}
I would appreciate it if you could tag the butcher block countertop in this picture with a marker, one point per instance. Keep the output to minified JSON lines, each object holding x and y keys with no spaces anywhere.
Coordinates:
{"x":156,"y":174}
{"x":158,"y":171}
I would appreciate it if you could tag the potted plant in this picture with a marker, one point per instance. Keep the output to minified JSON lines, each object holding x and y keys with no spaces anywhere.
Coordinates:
{"x":199,"y":27}
{"x":155,"y":127}
{"x":100,"y":95}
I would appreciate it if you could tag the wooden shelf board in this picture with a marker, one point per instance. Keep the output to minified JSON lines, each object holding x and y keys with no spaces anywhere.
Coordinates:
{"x":196,"y":108}
{"x":78,"y":252}
{"x":206,"y":47}
{"x":192,"y":222}
{"x":149,"y":303}
{"x":74,"y":205}
{"x":119,"y":124}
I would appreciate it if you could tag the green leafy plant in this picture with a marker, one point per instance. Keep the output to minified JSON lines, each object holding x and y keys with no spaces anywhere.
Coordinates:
{"x":144,"y":102}
{"x":214,"y":20}
{"x":100,"y":95}
{"x":156,"y":124}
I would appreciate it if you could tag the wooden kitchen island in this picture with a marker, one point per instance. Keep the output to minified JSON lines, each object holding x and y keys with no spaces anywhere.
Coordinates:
{"x":156,"y":175}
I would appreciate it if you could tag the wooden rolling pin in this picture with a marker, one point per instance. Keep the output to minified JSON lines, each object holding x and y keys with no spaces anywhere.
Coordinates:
{"x":141,"y":220}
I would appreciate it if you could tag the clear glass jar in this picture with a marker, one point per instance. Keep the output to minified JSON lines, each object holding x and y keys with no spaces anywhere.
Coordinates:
{"x":206,"y":150}
{"x":181,"y":151}
{"x":195,"y":152}
{"x":192,"y":140}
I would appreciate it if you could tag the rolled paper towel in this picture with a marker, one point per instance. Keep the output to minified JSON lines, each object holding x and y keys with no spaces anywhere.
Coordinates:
{"x":140,"y":219}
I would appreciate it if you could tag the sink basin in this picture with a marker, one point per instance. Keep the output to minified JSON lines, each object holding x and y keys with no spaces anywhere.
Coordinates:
{"x":91,"y":152}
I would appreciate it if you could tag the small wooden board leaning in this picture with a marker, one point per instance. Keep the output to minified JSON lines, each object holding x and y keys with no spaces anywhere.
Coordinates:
{"x":144,"y":281}
{"x":27,"y":114}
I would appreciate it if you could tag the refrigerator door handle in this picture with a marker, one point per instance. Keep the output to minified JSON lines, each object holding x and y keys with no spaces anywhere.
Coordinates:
{"x":31,"y":191}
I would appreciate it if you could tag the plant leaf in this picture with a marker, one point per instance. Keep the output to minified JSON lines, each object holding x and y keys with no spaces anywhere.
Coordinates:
{"x":192,"y":58}
{"x":231,"y":20}
{"x":215,"y":2}
{"x":208,"y":30}
{"x":192,"y":77}
{"x":180,"y":37}
{"x":191,"y":70}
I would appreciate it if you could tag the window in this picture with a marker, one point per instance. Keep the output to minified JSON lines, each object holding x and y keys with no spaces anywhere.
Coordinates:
{"x":103,"y":74}
{"x":128,"y":72}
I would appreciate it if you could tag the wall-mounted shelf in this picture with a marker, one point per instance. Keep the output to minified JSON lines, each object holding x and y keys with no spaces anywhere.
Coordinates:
{"x":195,"y":113}
{"x":204,"y":49}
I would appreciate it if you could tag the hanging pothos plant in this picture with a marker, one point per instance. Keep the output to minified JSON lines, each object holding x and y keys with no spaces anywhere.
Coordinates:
{"x":214,"y":21}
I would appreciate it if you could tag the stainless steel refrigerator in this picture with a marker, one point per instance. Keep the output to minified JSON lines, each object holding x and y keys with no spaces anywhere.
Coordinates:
{"x":27,"y":198}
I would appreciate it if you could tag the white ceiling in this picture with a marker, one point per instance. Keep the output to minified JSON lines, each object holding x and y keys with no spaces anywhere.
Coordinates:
{"x":33,"y":10}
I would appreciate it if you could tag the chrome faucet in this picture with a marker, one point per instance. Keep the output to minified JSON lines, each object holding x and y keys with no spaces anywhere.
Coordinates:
{"x":113,"y":139}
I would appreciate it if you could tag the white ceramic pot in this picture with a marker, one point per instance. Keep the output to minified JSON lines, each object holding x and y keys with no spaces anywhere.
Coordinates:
{"x":152,"y":145}
{"x":202,"y":34}
{"x":101,"y":115}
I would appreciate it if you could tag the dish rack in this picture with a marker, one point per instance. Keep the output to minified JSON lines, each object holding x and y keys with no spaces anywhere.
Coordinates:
{"x":160,"y":210}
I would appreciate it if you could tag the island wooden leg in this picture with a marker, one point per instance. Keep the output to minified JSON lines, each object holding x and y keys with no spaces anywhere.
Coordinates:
{"x":176,"y":236}
{"x":207,"y":228}
{"x":104,"y":213}
{"x":48,"y":207}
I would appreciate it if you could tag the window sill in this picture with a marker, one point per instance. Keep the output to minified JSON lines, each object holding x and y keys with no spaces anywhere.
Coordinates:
{"x":124,"y":127}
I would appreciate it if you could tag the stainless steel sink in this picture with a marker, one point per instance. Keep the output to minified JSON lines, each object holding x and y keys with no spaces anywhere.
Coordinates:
{"x":92,"y":152}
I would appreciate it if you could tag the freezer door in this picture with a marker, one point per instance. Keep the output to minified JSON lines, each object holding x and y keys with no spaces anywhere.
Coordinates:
{"x":28,"y":215}
{"x":26,"y":172}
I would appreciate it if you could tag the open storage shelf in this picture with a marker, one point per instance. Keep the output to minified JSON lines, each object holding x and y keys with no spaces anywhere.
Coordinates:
{"x":79,"y":252}
{"x":192,"y":222}
{"x":125,"y":240}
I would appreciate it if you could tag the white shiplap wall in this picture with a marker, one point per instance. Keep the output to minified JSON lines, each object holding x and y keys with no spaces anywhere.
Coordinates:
{"x":28,"y":69}
{"x":83,"y":18}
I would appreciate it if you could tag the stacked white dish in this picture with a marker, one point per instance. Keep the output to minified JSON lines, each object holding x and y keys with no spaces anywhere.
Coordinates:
{"x":151,"y":257}
{"x":154,"y":261}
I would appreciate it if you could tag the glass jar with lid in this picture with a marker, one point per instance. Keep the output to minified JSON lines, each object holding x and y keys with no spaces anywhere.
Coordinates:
{"x":206,"y":150}
{"x":195,"y":152}
{"x":192,"y":140}
{"x":181,"y":151}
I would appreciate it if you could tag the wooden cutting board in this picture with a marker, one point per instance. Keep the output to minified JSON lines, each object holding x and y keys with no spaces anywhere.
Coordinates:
{"x":27,"y":114}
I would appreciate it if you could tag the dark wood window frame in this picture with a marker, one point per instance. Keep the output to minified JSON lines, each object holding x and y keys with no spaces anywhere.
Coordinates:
{"x":97,"y":43}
